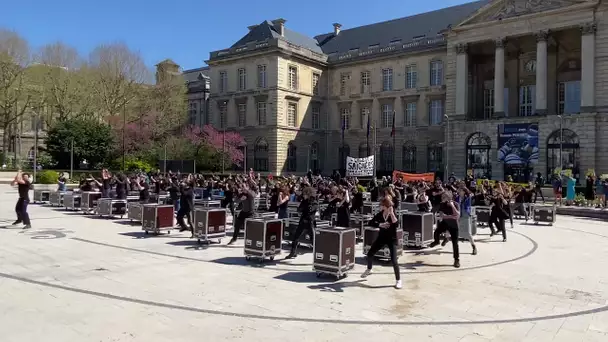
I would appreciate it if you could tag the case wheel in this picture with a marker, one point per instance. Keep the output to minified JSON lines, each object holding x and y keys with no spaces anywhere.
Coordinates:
{"x":272,"y":258}
{"x":247,"y":257}
{"x":318,"y":275}
{"x":219,"y":240}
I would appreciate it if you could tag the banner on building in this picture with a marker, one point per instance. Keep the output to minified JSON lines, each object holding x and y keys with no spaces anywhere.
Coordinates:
{"x":413,"y":177}
{"x":360,"y":167}
{"x":518,"y":143}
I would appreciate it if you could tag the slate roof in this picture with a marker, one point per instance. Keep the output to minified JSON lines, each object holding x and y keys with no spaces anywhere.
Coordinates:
{"x":192,"y":75}
{"x":427,"y":25}
{"x":266,"y":30}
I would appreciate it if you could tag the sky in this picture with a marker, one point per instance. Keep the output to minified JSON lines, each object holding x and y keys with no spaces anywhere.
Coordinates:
{"x":187,"y":30}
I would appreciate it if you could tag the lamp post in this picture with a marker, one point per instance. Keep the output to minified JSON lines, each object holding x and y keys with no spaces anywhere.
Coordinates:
{"x":446,"y":143}
{"x":124,"y":127}
{"x":35,"y":145}
{"x":561,"y":140}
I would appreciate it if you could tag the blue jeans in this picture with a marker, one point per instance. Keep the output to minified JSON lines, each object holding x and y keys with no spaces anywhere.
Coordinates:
{"x":176,"y":205}
{"x":21,"y":210}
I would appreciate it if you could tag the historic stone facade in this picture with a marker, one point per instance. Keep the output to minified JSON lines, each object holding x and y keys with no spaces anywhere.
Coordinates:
{"x":305,"y":103}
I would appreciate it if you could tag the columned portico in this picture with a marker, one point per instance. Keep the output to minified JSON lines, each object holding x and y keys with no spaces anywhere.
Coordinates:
{"x":588,"y":67}
{"x":462,"y":79}
{"x":499,"y":78}
{"x":541,"y":72}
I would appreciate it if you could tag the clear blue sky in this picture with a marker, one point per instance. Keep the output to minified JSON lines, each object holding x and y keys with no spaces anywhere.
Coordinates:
{"x":187,"y":30}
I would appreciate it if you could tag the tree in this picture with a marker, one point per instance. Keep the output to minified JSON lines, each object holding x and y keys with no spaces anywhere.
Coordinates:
{"x":119,"y":74}
{"x":15,"y":97}
{"x":93,"y":142}
{"x":216,"y":146}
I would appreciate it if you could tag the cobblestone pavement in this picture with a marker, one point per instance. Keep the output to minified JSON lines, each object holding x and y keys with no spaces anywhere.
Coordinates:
{"x":79,"y":278}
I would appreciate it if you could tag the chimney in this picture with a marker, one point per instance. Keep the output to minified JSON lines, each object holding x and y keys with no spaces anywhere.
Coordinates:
{"x":337,"y":29}
{"x":279,"y":26}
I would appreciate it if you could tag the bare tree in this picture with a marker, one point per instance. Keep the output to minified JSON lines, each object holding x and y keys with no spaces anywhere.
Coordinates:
{"x":119,"y":74}
{"x":15,"y":94}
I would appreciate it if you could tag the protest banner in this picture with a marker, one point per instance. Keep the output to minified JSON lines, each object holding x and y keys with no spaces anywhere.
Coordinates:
{"x":412,"y":177}
{"x":360,"y":167}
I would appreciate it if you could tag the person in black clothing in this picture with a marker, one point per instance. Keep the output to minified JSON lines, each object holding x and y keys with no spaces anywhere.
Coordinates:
{"x":424,"y":205}
{"x":357,"y":203}
{"x":174,"y":194}
{"x":540,"y":181}
{"x":388,"y":223}
{"x":307,"y":209}
{"x":343,"y":209}
{"x":22,"y":180}
{"x":186,"y":205}
{"x":274,"y":199}
{"x":247,"y":197}
{"x":522,"y":200}
{"x":106,"y":183}
{"x":228,"y":200}
{"x":498,"y":214}
{"x":121,"y":186}
{"x":449,"y":216}
{"x":332,"y":207}
{"x":283,"y":203}
{"x":144,"y":190}
{"x":374,"y":191}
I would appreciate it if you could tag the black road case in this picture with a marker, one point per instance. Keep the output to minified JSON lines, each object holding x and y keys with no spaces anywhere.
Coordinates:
{"x":42,"y":196}
{"x":544,"y":214}
{"x":209,"y":223}
{"x":417,"y":228}
{"x":71,"y":200}
{"x":334,"y":250}
{"x":263,"y":238}
{"x":369,"y":236}
{"x":111,"y":207}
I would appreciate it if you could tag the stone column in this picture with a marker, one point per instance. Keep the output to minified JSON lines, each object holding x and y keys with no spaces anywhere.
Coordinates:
{"x":588,"y":67}
{"x":499,"y":78}
{"x":462,"y":77}
{"x":541,"y":72}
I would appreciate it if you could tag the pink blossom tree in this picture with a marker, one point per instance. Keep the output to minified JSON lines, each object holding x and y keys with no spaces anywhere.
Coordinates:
{"x":227,"y":145}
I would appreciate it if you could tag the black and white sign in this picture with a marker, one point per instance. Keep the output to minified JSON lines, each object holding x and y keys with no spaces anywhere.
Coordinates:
{"x":360,"y":167}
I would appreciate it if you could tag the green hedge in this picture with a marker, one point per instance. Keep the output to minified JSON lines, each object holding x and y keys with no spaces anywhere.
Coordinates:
{"x":47,"y":177}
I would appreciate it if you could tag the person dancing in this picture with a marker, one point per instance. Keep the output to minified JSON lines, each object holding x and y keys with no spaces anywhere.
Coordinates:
{"x":283,"y":202}
{"x":307,"y":209}
{"x":388,"y":223}
{"x":186,"y":205}
{"x":247,"y":203}
{"x":449,"y":216}
{"x":22,"y":180}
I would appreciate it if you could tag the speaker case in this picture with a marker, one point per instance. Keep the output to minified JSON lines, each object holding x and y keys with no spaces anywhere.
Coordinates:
{"x":209,"y":223}
{"x":111,"y":207}
{"x":418,"y":228}
{"x":157,"y":217}
{"x":334,"y":250}
{"x":263,"y":238}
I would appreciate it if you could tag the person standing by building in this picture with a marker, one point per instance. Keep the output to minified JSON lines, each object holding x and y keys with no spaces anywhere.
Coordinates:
{"x":22,"y":180}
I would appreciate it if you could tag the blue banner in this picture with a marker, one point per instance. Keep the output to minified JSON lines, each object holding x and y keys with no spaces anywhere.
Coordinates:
{"x":518,"y":143}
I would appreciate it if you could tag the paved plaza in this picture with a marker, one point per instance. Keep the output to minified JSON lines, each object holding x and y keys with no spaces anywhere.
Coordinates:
{"x":79,"y":278}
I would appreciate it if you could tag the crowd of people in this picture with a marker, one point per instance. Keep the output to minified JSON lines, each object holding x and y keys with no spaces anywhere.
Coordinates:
{"x":451,"y":201}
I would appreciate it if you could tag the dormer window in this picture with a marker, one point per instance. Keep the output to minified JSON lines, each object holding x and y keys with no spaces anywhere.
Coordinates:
{"x":418,"y":37}
{"x":395,"y":42}
{"x":374,"y":46}
{"x":353,"y":50}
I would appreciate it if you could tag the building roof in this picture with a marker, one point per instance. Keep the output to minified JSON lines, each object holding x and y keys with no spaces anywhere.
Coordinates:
{"x":266,"y":30}
{"x":193,"y":75}
{"x":423,"y":25}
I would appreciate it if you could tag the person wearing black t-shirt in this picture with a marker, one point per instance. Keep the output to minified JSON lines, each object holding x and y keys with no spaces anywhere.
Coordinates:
{"x":22,"y":180}
{"x":144,"y":190}
{"x":174,"y":194}
{"x":106,"y":181}
{"x":449,"y":216}
{"x":307,"y":209}
{"x":121,"y":186}
{"x":186,"y":205}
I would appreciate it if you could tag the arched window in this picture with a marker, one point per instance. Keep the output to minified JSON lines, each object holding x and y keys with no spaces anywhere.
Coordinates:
{"x":363,"y":150}
{"x":30,"y":154}
{"x":292,"y":160}
{"x":240,"y":166}
{"x":314,"y":157}
{"x":386,"y":157}
{"x":478,"y":155}
{"x":569,"y":147}
{"x":435,"y":157}
{"x":409,"y":157}
{"x":260,"y":155}
{"x":344,"y":152}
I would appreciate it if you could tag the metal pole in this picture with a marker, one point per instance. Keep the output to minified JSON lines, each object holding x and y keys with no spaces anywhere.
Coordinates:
{"x":561,"y":141}
{"x":35,"y":147}
{"x":72,"y":159}
{"x":447,"y":152}
{"x":374,"y":149}
{"x":307,"y":158}
{"x":165,"y":161}
{"x":224,"y":151}
{"x":124,"y":124}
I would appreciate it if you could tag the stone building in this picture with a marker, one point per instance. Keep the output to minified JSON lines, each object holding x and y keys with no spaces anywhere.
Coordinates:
{"x":305,"y":102}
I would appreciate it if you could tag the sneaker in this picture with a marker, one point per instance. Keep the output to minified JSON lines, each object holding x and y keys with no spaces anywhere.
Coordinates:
{"x":16,"y":223}
{"x":457,"y":263}
{"x":27,"y":226}
{"x":444,"y":242}
{"x":474,"y":250}
{"x":398,"y":284}
{"x":366,"y":273}
{"x":231,"y":242}
{"x":433,"y":244}
{"x":291,"y":255}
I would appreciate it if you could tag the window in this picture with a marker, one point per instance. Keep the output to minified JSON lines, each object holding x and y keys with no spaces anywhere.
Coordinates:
{"x":292,"y":114}
{"x":364,"y":116}
{"x":192,"y":113}
{"x":526,"y":100}
{"x":345,"y":118}
{"x":292,"y":160}
{"x":411,"y":76}
{"x":569,"y":97}
{"x":363,"y":150}
{"x":436,"y":73}
{"x":387,"y":116}
{"x":242,"y":108}
{"x":565,"y":154}
{"x":409,"y":157}
{"x":260,"y":155}
{"x":343,"y":83}
{"x":314,"y":157}
{"x":261,"y":76}
{"x":488,"y":102}
{"x":293,"y":78}
{"x":435,"y":112}
{"x":31,"y":153}
{"x":386,"y":157}
{"x":242,"y":79}
{"x":316,"y":117}
{"x":223,"y":114}
{"x":315,"y":83}
{"x":262,"y":113}
{"x":395,"y":42}
{"x":435,"y":157}
{"x":478,"y":155}
{"x":365,"y":82}
{"x":387,"y":79}
{"x":223,"y":81}
{"x":410,"y":114}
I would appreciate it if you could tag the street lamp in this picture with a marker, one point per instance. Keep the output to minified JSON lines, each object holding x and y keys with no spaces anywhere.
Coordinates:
{"x":561,"y":140}
{"x":446,"y":143}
